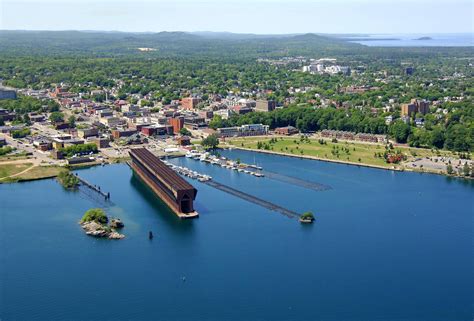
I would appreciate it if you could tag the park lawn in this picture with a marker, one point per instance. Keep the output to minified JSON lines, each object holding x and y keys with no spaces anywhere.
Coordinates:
{"x":354,"y":152}
{"x":7,"y":170}
{"x":40,"y":172}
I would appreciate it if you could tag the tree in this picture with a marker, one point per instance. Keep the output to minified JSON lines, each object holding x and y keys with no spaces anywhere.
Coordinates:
{"x":184,"y":131}
{"x":71,"y":121}
{"x":210,"y":142}
{"x":400,"y":131}
{"x":96,"y":215}
{"x":466,"y":170}
{"x":56,"y":117}
{"x":449,"y":169}
{"x":68,"y":179}
{"x":307,"y":216}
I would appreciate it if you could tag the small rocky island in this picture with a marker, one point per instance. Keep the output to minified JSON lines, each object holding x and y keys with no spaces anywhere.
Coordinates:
{"x":96,"y":223}
{"x":307,"y":217}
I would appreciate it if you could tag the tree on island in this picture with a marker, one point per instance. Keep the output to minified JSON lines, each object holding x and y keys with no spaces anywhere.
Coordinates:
{"x":210,"y":142}
{"x":95,"y":215}
{"x":307,"y":216}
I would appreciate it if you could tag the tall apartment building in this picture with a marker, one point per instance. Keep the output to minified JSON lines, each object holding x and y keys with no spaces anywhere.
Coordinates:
{"x":415,"y":106}
{"x":265,"y":105}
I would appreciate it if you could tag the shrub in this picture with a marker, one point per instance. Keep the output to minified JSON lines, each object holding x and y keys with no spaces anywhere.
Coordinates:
{"x":307,"y":216}
{"x":95,"y":215}
{"x":68,"y":180}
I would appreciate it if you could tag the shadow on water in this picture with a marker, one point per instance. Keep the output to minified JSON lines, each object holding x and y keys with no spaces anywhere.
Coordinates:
{"x":159,"y":206}
{"x":461,"y":181}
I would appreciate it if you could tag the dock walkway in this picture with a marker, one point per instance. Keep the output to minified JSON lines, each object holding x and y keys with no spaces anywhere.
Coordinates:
{"x":93,"y":187}
{"x":253,"y":199}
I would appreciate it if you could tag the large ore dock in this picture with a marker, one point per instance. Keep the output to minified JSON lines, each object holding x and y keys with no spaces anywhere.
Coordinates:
{"x":176,"y":192}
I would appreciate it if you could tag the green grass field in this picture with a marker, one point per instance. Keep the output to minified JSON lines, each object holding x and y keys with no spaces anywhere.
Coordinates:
{"x":7,"y":170}
{"x":10,"y":173}
{"x":354,"y":152}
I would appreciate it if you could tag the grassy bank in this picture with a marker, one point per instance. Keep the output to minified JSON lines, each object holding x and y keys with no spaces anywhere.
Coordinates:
{"x":11,"y":173}
{"x":341,"y":151}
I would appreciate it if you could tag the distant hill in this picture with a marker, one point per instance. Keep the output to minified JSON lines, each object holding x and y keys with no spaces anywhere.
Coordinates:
{"x":205,"y":44}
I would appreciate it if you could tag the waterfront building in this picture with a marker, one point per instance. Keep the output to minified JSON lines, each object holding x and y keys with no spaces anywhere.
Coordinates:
{"x":171,"y":188}
{"x":288,"y":130}
{"x":244,"y":130}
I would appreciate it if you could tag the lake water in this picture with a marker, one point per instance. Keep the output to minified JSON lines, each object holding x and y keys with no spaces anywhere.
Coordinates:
{"x":410,"y":40}
{"x":385,"y":246}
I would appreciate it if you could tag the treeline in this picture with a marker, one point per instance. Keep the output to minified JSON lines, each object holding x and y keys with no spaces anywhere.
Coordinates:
{"x":26,"y":104}
{"x":81,"y":149}
{"x":456,"y":134}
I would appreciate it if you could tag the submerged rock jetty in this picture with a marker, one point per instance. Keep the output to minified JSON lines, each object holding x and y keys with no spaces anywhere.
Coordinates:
{"x":94,"y":223}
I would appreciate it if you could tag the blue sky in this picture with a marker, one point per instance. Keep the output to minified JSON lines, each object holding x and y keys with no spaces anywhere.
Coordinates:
{"x":244,"y":16}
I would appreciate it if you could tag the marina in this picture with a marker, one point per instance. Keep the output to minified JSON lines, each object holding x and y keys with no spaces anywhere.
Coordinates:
{"x":226,"y":163}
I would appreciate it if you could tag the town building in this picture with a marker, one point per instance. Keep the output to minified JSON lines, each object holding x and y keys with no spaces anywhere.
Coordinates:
{"x":415,"y":106}
{"x":184,"y":141}
{"x":119,"y":133}
{"x":7,"y":93}
{"x":244,"y":130}
{"x":88,"y":132}
{"x":6,"y":115}
{"x":177,"y":123}
{"x":189,"y":103}
{"x":265,"y":105}
{"x":288,"y":130}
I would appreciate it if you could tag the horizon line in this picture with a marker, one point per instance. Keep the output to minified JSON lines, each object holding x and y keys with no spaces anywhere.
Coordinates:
{"x":241,"y":33}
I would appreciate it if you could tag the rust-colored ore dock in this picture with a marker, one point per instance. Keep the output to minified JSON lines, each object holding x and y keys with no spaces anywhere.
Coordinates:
{"x":177,"y":193}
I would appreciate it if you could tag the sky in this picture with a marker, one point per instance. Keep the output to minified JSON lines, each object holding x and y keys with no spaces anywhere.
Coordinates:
{"x":242,"y":16}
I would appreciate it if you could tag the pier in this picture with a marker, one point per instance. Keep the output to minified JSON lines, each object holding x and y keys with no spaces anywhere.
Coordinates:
{"x":93,"y":187}
{"x":296,"y":181}
{"x":253,"y":199}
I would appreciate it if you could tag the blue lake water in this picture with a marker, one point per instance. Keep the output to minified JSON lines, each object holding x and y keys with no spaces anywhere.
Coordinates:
{"x":412,"y":40}
{"x":385,"y":246}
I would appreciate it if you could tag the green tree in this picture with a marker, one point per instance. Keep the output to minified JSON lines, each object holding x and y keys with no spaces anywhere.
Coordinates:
{"x":56,"y":117}
{"x":210,"y":142}
{"x":466,"y":170}
{"x":449,"y":169}
{"x":96,"y":215}
{"x":400,"y":131}
{"x":71,"y":121}
{"x":184,"y":131}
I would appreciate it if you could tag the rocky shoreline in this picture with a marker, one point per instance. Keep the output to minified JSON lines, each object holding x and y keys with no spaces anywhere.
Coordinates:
{"x":98,"y":227}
